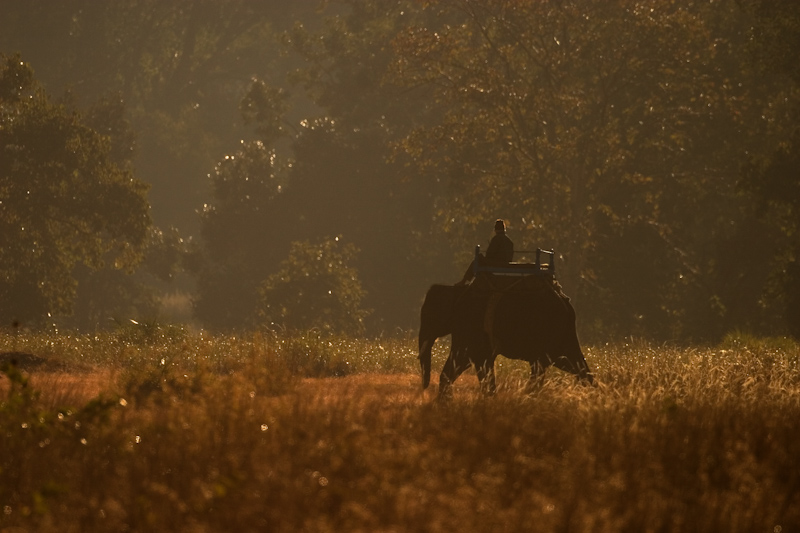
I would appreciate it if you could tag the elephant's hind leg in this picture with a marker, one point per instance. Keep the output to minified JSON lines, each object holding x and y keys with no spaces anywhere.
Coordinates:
{"x":485,"y":373}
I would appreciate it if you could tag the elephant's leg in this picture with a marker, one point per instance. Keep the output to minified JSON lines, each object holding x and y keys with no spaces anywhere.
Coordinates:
{"x":485,"y":373}
{"x":537,"y":376}
{"x":579,"y":368}
{"x":453,"y":367}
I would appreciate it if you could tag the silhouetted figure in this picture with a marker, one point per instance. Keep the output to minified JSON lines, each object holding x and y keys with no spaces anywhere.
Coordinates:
{"x":500,"y":252}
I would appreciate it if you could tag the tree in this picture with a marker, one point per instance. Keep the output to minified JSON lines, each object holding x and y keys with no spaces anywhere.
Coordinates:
{"x":181,"y":68}
{"x":346,"y":178}
{"x":109,"y":296}
{"x":244,"y":236}
{"x":589,"y":124}
{"x":316,"y":287}
{"x":338,"y":175}
{"x":62,"y":200}
{"x":772,"y":180}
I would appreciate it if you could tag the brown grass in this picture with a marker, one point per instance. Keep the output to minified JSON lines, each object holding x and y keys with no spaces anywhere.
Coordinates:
{"x":231,"y":436}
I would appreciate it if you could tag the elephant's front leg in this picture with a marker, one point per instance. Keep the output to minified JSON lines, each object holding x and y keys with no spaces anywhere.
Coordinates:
{"x":579,"y":367}
{"x":455,"y":365}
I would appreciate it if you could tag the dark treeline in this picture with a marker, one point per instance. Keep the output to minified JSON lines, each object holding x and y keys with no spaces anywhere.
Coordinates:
{"x":298,"y":165}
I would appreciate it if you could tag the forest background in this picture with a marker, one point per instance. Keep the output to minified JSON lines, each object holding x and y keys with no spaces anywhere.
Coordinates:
{"x":300,"y":164}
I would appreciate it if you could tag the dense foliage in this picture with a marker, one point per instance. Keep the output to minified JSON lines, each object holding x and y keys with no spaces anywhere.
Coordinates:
{"x":603,"y":129}
{"x":242,"y":235}
{"x":653,"y":145}
{"x":63,"y":201}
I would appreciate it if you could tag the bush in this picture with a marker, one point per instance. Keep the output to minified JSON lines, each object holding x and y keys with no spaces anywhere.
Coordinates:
{"x":316,"y":287}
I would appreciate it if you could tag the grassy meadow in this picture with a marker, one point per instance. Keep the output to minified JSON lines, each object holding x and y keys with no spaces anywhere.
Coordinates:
{"x":158,"y":429}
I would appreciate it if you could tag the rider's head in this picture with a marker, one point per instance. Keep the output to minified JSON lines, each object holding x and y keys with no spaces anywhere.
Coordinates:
{"x":500,"y":226}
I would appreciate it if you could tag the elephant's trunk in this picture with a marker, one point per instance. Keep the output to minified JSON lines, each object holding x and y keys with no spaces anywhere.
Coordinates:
{"x":425,"y":346}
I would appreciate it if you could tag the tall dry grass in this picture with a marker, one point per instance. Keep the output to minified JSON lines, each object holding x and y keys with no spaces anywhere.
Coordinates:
{"x":307,"y":433}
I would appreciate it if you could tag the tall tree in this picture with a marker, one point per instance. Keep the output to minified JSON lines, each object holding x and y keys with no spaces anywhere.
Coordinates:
{"x":588,"y":124}
{"x":62,"y":200}
{"x":346,"y":178}
{"x":244,"y":236}
{"x":316,"y":287}
{"x":180,"y":67}
{"x":338,"y":175}
{"x":772,"y":180}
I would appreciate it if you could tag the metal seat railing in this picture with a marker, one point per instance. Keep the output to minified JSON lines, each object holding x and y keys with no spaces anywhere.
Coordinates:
{"x":538,"y":268}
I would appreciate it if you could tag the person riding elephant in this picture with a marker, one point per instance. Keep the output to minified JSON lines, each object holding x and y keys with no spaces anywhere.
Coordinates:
{"x":499,"y":253}
{"x":536,"y":324}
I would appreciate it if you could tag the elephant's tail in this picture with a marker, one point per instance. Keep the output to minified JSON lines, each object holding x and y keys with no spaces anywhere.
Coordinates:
{"x":425,"y":347}
{"x":573,"y":347}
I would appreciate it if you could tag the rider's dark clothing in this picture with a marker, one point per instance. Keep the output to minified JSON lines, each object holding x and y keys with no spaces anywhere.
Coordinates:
{"x":500,"y":251}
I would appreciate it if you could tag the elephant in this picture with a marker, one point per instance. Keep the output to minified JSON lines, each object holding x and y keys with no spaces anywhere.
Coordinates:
{"x":528,"y":319}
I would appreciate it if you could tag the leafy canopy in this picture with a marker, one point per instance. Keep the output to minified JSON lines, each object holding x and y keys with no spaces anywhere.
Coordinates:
{"x":591,"y":125}
{"x":62,"y":200}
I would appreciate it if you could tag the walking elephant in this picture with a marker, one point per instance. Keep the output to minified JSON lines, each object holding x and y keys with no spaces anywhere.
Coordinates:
{"x":527,"y":319}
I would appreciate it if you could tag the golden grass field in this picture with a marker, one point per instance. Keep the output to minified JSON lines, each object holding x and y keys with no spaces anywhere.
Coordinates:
{"x":163,"y":430}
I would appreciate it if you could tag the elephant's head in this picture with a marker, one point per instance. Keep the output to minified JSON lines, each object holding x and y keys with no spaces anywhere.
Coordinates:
{"x":436,"y":320}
